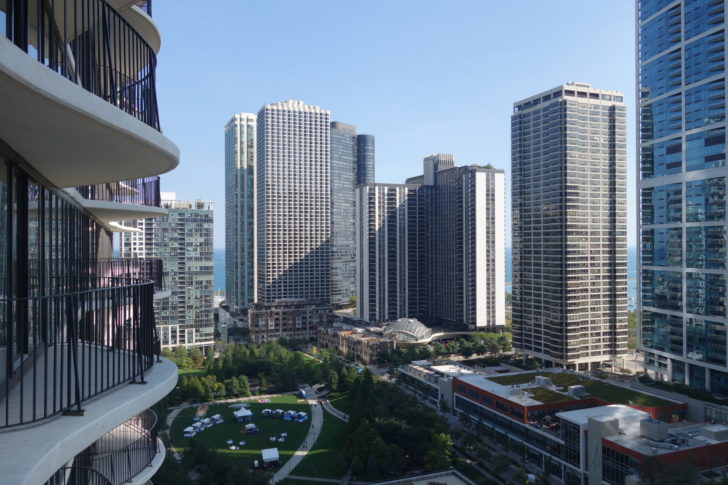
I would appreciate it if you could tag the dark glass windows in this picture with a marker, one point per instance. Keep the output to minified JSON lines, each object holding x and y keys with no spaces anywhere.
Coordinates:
{"x":663,"y":158}
{"x":705,"y":200}
{"x":705,"y":247}
{"x":662,"y":247}
{"x":661,"y":118}
{"x":662,"y":332}
{"x":704,"y":58}
{"x":705,"y":294}
{"x":705,"y":150}
{"x":706,"y":341}
{"x":662,"y":204}
{"x":662,"y":289}
{"x":701,"y":15}
{"x":660,"y":33}
{"x":705,"y":105}
{"x":661,"y":75}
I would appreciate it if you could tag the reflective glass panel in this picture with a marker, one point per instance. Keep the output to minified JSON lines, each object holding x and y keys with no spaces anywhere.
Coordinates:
{"x":662,"y":289}
{"x":705,"y":200}
{"x":660,"y":33}
{"x":705,"y":105}
{"x":661,"y":75}
{"x":662,"y":204}
{"x":705,"y":150}
{"x":701,"y":15}
{"x":706,"y":341}
{"x":663,"y":158}
{"x":662,"y":332}
{"x":704,"y":58}
{"x":705,"y":247}
{"x":661,"y":118}
{"x":662,"y":247}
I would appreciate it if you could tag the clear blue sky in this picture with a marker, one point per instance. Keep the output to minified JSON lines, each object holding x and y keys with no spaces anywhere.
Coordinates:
{"x":422,"y":76}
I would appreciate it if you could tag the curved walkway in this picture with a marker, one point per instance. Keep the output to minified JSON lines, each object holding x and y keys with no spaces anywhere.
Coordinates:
{"x":330,"y":408}
{"x":317,"y":421}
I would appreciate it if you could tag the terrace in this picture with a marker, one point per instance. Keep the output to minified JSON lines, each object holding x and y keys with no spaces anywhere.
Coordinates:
{"x":595,"y":388}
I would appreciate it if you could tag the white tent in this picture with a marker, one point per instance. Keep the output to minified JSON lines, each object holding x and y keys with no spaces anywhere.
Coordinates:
{"x":270,"y":455}
{"x":243,"y":414}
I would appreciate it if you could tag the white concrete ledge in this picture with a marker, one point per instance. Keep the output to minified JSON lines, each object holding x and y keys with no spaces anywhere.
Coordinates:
{"x":144,"y":26}
{"x":145,"y":475}
{"x":69,"y":135}
{"x":29,"y":456}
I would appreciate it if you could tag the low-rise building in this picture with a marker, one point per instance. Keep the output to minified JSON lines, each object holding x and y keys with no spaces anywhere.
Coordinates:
{"x":585,"y":430}
{"x":290,"y":319}
{"x":362,"y":345}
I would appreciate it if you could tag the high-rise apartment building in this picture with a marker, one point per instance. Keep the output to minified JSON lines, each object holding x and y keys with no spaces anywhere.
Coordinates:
{"x":182,"y":240}
{"x":682,"y":191}
{"x":81,"y":150}
{"x":433,"y":248}
{"x":352,"y":163}
{"x":240,"y":213}
{"x":569,"y":225}
{"x":390,"y":252}
{"x":293,"y":202}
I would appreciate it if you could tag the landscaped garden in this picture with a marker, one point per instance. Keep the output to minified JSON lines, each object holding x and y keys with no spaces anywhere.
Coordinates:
{"x":216,"y":438}
{"x":599,"y":389}
{"x":341,"y":401}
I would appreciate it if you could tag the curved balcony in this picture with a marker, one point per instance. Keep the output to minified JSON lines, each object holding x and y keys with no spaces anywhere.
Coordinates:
{"x":77,"y":75}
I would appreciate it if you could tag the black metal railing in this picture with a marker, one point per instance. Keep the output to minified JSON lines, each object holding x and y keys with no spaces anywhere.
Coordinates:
{"x":99,"y":273}
{"x":89,"y":43}
{"x":143,"y":191}
{"x":145,"y":5}
{"x":125,"y":451}
{"x":78,"y":475}
{"x":69,"y":347}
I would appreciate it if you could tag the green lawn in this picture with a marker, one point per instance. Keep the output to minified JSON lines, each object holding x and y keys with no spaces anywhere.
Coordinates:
{"x":341,"y":401}
{"x":216,"y":437}
{"x":602,"y":390}
{"x":321,"y":461}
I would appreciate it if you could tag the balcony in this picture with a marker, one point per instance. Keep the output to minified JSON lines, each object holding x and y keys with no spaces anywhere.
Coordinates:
{"x":143,"y":191}
{"x":129,"y":453}
{"x":145,"y":6}
{"x":79,"y":76}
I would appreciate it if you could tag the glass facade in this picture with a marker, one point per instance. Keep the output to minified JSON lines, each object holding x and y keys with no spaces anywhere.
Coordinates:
{"x":682,"y":190}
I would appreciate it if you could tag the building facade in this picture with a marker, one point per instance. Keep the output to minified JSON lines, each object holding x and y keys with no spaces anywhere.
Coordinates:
{"x":291,"y":319}
{"x":182,"y":241}
{"x":569,"y":226}
{"x":343,"y":180}
{"x":81,"y":150}
{"x":390,"y":252}
{"x":682,"y":192}
{"x":433,"y":248}
{"x":293,"y":202}
{"x":240,"y":211}
{"x":354,"y":343}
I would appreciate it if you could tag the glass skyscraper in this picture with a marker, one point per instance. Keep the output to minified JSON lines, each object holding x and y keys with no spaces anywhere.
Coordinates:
{"x":352,"y":163}
{"x":682,"y":191}
{"x":240,"y":216}
{"x":569,"y":226}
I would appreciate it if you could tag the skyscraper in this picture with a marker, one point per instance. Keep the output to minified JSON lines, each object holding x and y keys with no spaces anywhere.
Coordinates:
{"x":352,"y":162}
{"x":569,"y":225}
{"x":433,"y":248}
{"x":293,"y":202}
{"x":240,"y":214}
{"x":682,"y":191}
{"x":182,"y":240}
{"x":390,"y":252}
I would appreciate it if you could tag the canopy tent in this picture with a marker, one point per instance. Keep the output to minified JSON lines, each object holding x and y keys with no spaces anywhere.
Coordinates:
{"x":270,"y":455}
{"x":243,"y":414}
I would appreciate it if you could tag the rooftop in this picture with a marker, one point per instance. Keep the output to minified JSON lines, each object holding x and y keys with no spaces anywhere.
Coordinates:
{"x":594,"y":387}
{"x":679,"y":439}
{"x":625,"y":414}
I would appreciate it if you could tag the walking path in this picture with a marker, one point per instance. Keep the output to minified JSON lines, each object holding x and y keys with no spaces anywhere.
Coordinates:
{"x":311,"y":479}
{"x":330,"y":408}
{"x":317,"y":421}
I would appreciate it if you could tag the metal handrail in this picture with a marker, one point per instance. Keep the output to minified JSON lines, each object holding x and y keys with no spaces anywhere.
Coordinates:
{"x":78,"y":475}
{"x":77,"y":345}
{"x":92,"y":45}
{"x":143,"y":191}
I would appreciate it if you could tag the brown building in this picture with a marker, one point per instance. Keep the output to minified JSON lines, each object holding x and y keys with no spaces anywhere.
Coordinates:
{"x":287,"y":319}
{"x":356,"y":341}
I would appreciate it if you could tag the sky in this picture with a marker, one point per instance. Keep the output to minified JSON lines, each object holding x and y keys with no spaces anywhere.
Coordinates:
{"x":421,"y":76}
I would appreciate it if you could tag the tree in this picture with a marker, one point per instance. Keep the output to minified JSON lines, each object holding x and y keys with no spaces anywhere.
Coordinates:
{"x":439,"y":453}
{"x":500,"y":463}
{"x":244,"y":386}
{"x":333,"y":381}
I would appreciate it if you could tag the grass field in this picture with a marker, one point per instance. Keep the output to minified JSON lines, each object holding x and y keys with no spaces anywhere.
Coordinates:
{"x":341,"y":401}
{"x":321,"y":461}
{"x":216,"y":437}
{"x":293,"y":481}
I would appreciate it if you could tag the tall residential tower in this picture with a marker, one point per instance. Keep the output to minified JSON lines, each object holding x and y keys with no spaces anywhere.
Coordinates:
{"x":240,"y":199}
{"x":569,"y":225}
{"x":682,"y":191}
{"x":293,"y":202}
